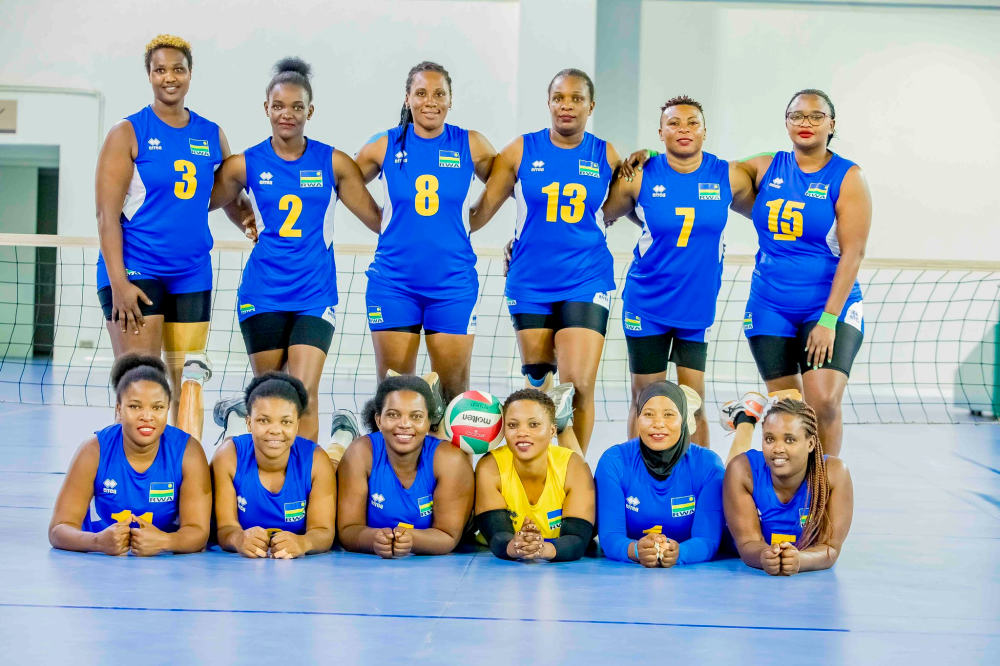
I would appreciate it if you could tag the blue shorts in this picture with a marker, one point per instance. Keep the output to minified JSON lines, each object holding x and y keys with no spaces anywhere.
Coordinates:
{"x":197,"y":279}
{"x":516,"y":307}
{"x":328,"y":313}
{"x":638,"y":327}
{"x":392,"y":309}
{"x":763,"y":318}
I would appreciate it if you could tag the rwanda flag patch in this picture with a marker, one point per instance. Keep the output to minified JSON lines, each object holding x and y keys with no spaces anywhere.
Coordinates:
{"x":633,"y":322}
{"x":449,"y":159}
{"x":161,"y":492}
{"x":245,"y":308}
{"x":818,"y":190}
{"x":803,"y":516}
{"x":555,"y":518}
{"x":199,"y":147}
{"x":374,"y":314}
{"x":681,"y":506}
{"x":295,"y":511}
{"x":426,"y":505}
{"x":709,"y":192}
{"x":310,"y":179}
{"x":589,"y":169}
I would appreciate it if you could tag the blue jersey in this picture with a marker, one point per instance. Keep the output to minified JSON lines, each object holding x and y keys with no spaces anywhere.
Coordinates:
{"x":778,"y":522}
{"x":291,"y":267}
{"x":686,"y":506}
{"x":424,"y":244}
{"x":796,"y":227}
{"x":560,"y":227}
{"x":120,"y":491}
{"x":165,"y":215}
{"x":675,"y":276}
{"x":389,"y":503}
{"x":284,"y":510}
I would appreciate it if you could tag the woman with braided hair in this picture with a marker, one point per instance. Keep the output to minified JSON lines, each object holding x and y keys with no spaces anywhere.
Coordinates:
{"x":788,"y":507}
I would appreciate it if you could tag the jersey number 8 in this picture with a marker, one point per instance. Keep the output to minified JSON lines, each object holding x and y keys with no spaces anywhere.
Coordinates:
{"x":790,"y":226}
{"x":570,"y":214}
{"x":186,"y":186}
{"x":426,"y":202}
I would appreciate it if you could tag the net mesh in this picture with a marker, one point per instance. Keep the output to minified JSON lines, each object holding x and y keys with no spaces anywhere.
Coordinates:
{"x":929,"y":355}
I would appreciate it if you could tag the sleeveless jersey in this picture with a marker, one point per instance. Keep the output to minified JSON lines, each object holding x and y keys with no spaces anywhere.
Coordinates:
{"x":257,"y":506}
{"x":121,"y":492}
{"x":560,"y":248}
{"x":424,"y":245}
{"x":675,"y":276}
{"x":547,"y":511}
{"x":778,"y":522}
{"x":165,"y":215}
{"x":797,"y":232}
{"x":392,"y":505}
{"x":291,"y":267}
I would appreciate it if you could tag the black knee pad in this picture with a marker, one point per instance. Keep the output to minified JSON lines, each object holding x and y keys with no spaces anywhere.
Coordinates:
{"x":537,"y":371}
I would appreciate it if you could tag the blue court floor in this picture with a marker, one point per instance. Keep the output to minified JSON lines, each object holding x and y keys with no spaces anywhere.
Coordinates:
{"x":918,"y":582}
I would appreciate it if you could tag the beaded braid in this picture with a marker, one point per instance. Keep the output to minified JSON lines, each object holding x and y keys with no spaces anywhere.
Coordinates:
{"x":817,"y":527}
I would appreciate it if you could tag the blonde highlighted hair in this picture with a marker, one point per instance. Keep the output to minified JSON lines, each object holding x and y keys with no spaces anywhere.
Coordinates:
{"x":167,"y":42}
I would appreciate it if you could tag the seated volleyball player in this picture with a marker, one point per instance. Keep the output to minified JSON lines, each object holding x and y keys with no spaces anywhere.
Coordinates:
{"x":789,"y":507}
{"x":659,"y":498}
{"x":400,"y":490}
{"x":139,"y":485}
{"x":534,"y":501}
{"x":274,"y":490}
{"x":154,"y":271}
{"x":288,"y":294}
{"x":681,"y":199}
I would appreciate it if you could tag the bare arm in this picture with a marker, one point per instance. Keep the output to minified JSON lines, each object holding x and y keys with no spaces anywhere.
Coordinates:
{"x":453,"y":496}
{"x":371,"y":156}
{"x":230,"y":180}
{"x":622,"y":197}
{"x":854,"y":222}
{"x":321,"y":509}
{"x":352,"y":497}
{"x":483,"y":155}
{"x":741,"y":512}
{"x":614,"y":159}
{"x":841,"y":510}
{"x":240,"y":211}
{"x":756,"y":166}
{"x":227,"y":520}
{"x":499,"y":186}
{"x":352,"y":191}
{"x":742,"y":186}
{"x":73,"y":501}
{"x":581,"y":498}
{"x":195,"y":503}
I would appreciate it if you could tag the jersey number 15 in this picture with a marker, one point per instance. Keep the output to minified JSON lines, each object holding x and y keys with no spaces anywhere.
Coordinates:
{"x":790,"y":226}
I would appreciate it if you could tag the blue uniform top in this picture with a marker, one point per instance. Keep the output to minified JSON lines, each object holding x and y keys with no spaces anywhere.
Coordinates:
{"x":675,"y":277}
{"x":560,"y":227}
{"x":797,"y":233}
{"x":165,"y":215}
{"x":258,"y":507}
{"x":120,"y":490}
{"x":686,"y":507}
{"x":424,"y":245}
{"x":389,"y":503}
{"x":291,"y":267}
{"x":784,"y":521}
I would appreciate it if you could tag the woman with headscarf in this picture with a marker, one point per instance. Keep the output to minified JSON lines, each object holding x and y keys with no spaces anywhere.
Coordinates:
{"x":659,"y":499}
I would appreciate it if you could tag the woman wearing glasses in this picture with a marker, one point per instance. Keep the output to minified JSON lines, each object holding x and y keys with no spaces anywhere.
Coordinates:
{"x":804,"y":318}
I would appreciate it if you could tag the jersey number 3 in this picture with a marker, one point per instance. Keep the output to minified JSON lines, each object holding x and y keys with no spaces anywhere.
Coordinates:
{"x":186,"y":186}
{"x":293,"y":205}
{"x":790,"y":226}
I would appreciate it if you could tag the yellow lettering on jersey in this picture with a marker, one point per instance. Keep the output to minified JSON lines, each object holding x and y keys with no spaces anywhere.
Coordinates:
{"x":688,"y":213}
{"x":188,"y":184}
{"x":125,"y":516}
{"x":427,"y":201}
{"x":572,"y":213}
{"x":293,"y":205}
{"x":405,"y":525}
{"x":781,"y":538}
{"x":271,"y":531}
{"x":655,"y":529}
{"x":790,"y":226}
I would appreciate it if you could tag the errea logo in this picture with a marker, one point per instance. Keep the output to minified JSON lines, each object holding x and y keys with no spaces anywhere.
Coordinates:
{"x":776,"y":183}
{"x":659,"y":191}
{"x":110,"y":486}
{"x":632,"y":503}
{"x":400,"y":156}
{"x":377,"y":500}
{"x":241,"y":502}
{"x":154,"y":144}
{"x":265,"y":178}
{"x":538,"y":165}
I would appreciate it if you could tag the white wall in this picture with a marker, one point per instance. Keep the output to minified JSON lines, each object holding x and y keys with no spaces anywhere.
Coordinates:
{"x":361,"y":52}
{"x":917,"y":93}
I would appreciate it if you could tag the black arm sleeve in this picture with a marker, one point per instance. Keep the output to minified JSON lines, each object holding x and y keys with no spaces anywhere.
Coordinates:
{"x":574,"y":537}
{"x":498,"y":530}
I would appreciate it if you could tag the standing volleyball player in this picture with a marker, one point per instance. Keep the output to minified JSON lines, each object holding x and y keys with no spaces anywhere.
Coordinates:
{"x":154,"y":271}
{"x":561,"y":271}
{"x":288,"y":294}
{"x":424,"y":271}
{"x":682,"y":200}
{"x":804,"y":318}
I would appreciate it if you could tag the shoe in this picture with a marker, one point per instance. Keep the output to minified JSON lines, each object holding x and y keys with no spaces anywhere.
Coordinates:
{"x":345,"y":420}
{"x":751,"y":404}
{"x":562,"y":395}
{"x":226,"y":406}
{"x":197,"y":367}
{"x":435,"y":410}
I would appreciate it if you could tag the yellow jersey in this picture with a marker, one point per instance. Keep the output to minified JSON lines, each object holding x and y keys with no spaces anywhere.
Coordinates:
{"x":547,"y":512}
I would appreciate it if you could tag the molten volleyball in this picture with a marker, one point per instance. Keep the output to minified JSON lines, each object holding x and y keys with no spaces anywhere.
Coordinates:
{"x":473,"y":422}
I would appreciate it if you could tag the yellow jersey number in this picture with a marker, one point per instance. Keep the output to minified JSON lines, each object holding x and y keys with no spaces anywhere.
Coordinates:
{"x":426,"y":203}
{"x":688,"y":213}
{"x":188,"y":184}
{"x":570,"y":214}
{"x":789,"y":227}
{"x":293,"y":205}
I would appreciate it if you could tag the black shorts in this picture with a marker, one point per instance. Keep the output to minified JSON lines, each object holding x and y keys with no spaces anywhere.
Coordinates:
{"x":565,"y":314}
{"x":189,"y":308}
{"x":649,"y":354}
{"x":781,"y":357}
{"x":268,"y":331}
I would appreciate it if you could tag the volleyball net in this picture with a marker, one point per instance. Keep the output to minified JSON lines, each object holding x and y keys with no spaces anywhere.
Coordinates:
{"x":932,"y":331}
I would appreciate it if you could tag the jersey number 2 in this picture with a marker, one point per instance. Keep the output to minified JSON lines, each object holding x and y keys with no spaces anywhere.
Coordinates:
{"x":426,"y":203}
{"x":790,"y":226}
{"x":293,"y":205}
{"x":186,"y":186}
{"x":570,"y":214}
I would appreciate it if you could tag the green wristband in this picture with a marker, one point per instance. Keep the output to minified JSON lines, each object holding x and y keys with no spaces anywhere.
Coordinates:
{"x":828,"y":321}
{"x":652,"y":153}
